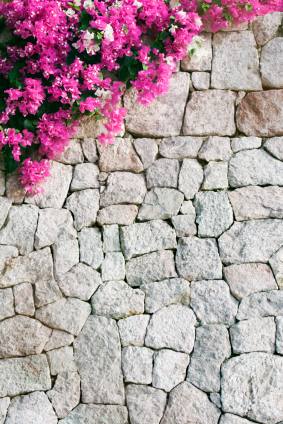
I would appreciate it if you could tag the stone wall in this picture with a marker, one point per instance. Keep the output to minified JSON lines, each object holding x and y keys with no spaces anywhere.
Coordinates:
{"x":143,"y":286}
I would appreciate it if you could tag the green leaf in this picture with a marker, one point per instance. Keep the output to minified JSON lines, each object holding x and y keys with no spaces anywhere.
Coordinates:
{"x":15,"y":74}
{"x":85,"y":20}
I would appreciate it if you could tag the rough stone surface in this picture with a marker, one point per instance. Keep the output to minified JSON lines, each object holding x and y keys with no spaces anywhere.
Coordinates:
{"x":255,"y":167}
{"x":210,"y":112}
{"x":85,"y":177}
{"x":89,"y":414}
{"x":275,"y":147}
{"x":215,"y":148}
{"x":138,"y":239}
{"x":84,"y":206}
{"x":116,"y":299}
{"x":197,"y":259}
{"x":6,"y":304}
{"x":184,"y":225}
{"x":163,"y":173}
{"x":180,"y":147}
{"x":200,"y":60}
{"x":123,"y":187}
{"x":147,"y":150}
{"x":65,"y":395}
{"x":252,"y":387}
{"x":212,"y":302}
{"x":65,"y":253}
{"x":261,"y":113}
{"x":34,"y":408}
{"x":72,"y":154}
{"x":169,"y":369}
{"x":24,"y":302}
{"x":233,"y":419}
{"x":276,"y":263}
{"x":120,"y":156}
{"x":160,"y":203}
{"x":117,"y":214}
{"x":214,"y":214}
{"x":4,"y":404}
{"x":190,"y":178}
{"x":58,"y":339}
{"x":261,"y":304}
{"x":164,"y":116}
{"x":137,"y":365}
{"x":251,"y":241}
{"x":279,"y":335}
{"x":244,"y":279}
{"x":212,"y":347}
{"x":5,"y":205}
{"x":89,"y":149}
{"x":145,"y":404}
{"x":91,"y":252}
{"x":172,"y":327}
{"x":235,"y":64}
{"x":253,"y":335}
{"x":271,"y":63}
{"x":61,"y":360}
{"x":111,"y":238}
{"x":215,"y":176}
{"x":81,"y":282}
{"x":201,"y":80}
{"x":99,"y":363}
{"x":113,"y":267}
{"x":245,"y":143}
{"x":133,"y":329}
{"x":187,"y":403}
{"x":265,"y":27}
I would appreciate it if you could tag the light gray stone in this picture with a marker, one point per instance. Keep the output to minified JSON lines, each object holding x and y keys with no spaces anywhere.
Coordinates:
{"x":261,"y":304}
{"x":253,"y":335}
{"x":255,"y":167}
{"x":212,"y":302}
{"x":117,"y":214}
{"x":81,"y":282}
{"x":89,"y":149}
{"x":145,"y":404}
{"x":58,"y":339}
{"x":52,"y":223}
{"x":111,"y":238}
{"x":65,"y":394}
{"x":172,"y":327}
{"x":55,"y":188}
{"x":45,"y":292}
{"x":235,"y":64}
{"x":4,"y":404}
{"x":275,"y":147}
{"x":151,"y":267}
{"x":34,"y":408}
{"x":251,"y":241}
{"x":257,"y":202}
{"x":2,"y":183}
{"x":245,"y":279}
{"x":85,"y":177}
{"x":163,"y":173}
{"x":190,"y":178}
{"x":37,"y":266}
{"x":233,"y":419}
{"x":165,"y":293}
{"x":252,"y":387}
{"x":200,"y":59}
{"x":66,"y":314}
{"x":216,"y":399}
{"x":271,"y":63}
{"x":184,"y":225}
{"x":116,"y":299}
{"x":214,"y":214}
{"x":210,"y":112}
{"x":119,"y":156}
{"x":279,"y":335}
{"x":215,"y":176}
{"x":21,"y":336}
{"x":24,"y":303}
{"x":197,"y":259}
{"x":260,"y":113}
{"x":98,"y":414}
{"x":61,"y":360}
{"x":6,"y":304}
{"x":72,"y":154}
{"x":180,"y":147}
{"x":113,"y":267}
{"x":91,"y":251}
{"x":22,"y":375}
{"x":6,"y":254}
{"x":164,"y":116}
{"x":20,"y":227}
{"x":5,"y":205}
{"x":147,"y":149}
{"x":215,"y":148}
{"x":169,"y":369}
{"x":265,"y":27}
{"x":84,"y":205}
{"x":133,"y":329}
{"x":65,"y":254}
{"x":99,"y":363}
{"x":201,"y":80}
{"x":137,"y":239}
{"x":137,"y":364}
{"x":245,"y":143}
{"x":188,"y":208}
{"x":212,"y":347}
{"x":123,"y":187}
{"x":276,"y":263}
{"x":187,"y":403}
{"x":160,"y":203}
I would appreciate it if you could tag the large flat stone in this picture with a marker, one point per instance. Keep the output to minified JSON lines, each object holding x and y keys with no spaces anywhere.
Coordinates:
{"x":164,"y":116}
{"x":262,"y":304}
{"x":253,"y":335}
{"x":97,"y":414}
{"x":145,"y":404}
{"x":119,"y":156}
{"x":84,"y":206}
{"x":98,"y":357}
{"x":271,"y":63}
{"x":160,"y":203}
{"x":261,"y":113}
{"x":123,"y":187}
{"x":265,"y":27}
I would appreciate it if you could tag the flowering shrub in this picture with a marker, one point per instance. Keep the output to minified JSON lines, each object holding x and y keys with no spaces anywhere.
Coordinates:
{"x":62,"y":59}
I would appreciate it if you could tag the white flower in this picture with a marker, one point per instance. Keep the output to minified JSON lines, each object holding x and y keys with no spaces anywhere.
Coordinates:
{"x":88,"y":4}
{"x":77,"y":3}
{"x":70,"y":12}
{"x":109,"y":33}
{"x":174,"y":3}
{"x":173,"y":28}
{"x":137,"y":3}
{"x":198,"y":22}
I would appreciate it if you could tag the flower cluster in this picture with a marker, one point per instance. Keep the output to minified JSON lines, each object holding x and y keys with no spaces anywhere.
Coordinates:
{"x":60,"y":59}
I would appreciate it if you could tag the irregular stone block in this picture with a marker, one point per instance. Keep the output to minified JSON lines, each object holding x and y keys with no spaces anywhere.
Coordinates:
{"x":6,"y":304}
{"x":215,"y":176}
{"x":5,"y":205}
{"x":113,"y":267}
{"x":271,"y":63}
{"x":245,"y":143}
{"x":117,"y":214}
{"x":279,"y":335}
{"x":163,"y":173}
{"x":111,"y":238}
{"x":81,"y":282}
{"x":184,"y":225}
{"x":84,"y":205}
{"x":123,"y":187}
{"x":145,"y":404}
{"x":137,"y":365}
{"x":85,"y":177}
{"x":201,"y":80}
{"x":190,"y":178}
{"x":97,"y":414}
{"x":180,"y":147}
{"x":201,"y":58}
{"x":169,"y":369}
{"x":215,"y":148}
{"x":275,"y":147}
{"x":24,"y":303}
{"x":61,"y":360}
{"x":65,"y":394}
{"x":261,"y":304}
{"x":160,"y":203}
{"x":133,"y":329}
{"x":265,"y":27}
{"x":276,"y":263}
{"x":253,"y":335}
{"x":91,"y":251}
{"x":119,"y":156}
{"x":147,"y":149}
